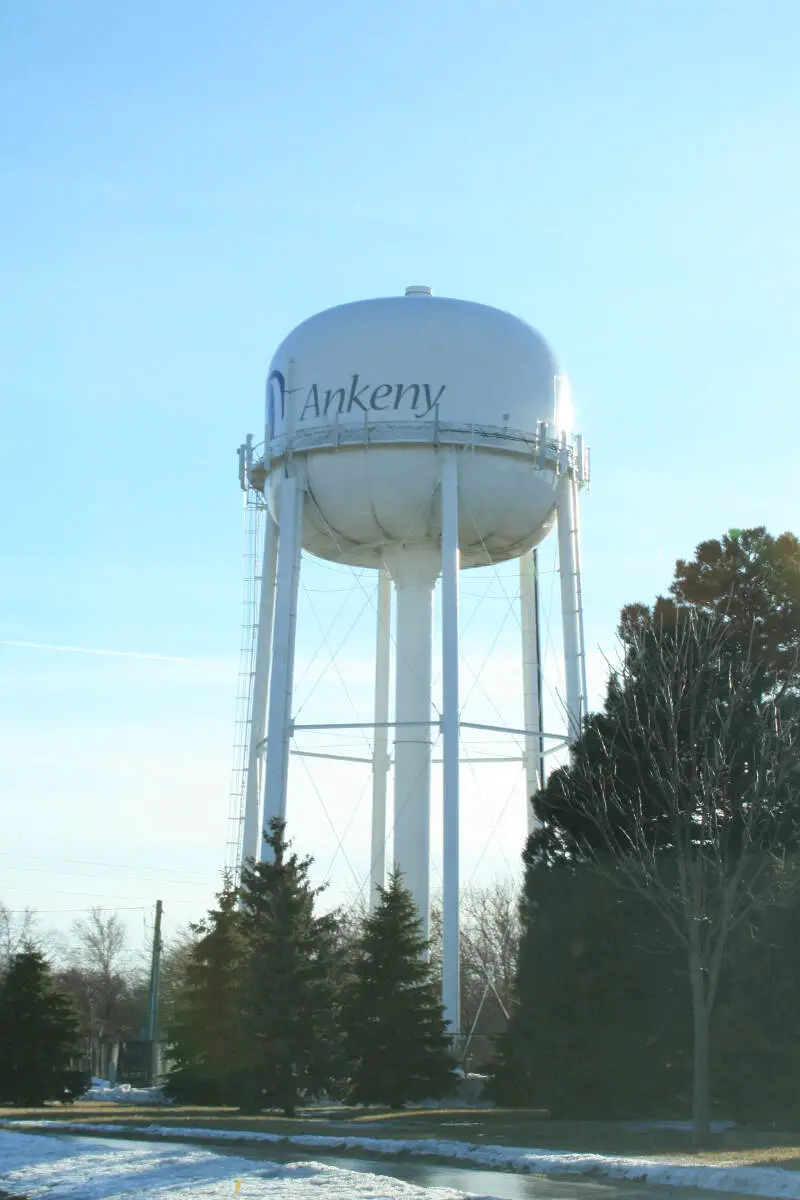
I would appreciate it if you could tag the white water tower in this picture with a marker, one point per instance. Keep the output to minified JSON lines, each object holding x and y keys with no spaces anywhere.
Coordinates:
{"x":418,"y":436}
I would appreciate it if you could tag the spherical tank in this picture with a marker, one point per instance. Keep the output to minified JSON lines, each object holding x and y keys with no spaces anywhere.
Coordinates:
{"x":364,"y":398}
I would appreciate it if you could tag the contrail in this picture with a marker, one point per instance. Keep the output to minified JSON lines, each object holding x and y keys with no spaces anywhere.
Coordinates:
{"x":104,"y":653}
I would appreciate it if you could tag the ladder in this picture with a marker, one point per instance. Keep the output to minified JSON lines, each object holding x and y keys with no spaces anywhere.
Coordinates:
{"x":254,"y":507}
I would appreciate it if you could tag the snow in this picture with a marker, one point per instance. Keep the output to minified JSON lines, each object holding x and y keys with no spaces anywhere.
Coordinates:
{"x":123,"y":1093}
{"x":96,"y":1169}
{"x":755,"y":1181}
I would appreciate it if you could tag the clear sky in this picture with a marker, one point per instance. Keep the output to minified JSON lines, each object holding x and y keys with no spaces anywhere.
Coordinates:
{"x":181,"y":183}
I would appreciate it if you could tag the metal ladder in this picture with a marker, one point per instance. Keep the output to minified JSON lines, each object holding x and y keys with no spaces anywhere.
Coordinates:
{"x":253,"y":526}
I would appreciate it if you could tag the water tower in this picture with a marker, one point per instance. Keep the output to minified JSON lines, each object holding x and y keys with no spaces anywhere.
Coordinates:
{"x":418,"y":436}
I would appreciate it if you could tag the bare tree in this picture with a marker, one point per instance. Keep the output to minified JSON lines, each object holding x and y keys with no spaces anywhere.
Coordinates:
{"x":174,"y":961}
{"x":350,"y":924}
{"x":101,"y":941}
{"x":101,"y":984}
{"x":688,"y":787}
{"x":489,"y":948}
{"x":489,"y":944}
{"x":16,"y":929}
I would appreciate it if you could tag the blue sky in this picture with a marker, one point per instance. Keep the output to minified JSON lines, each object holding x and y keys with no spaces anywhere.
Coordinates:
{"x":181,"y":184}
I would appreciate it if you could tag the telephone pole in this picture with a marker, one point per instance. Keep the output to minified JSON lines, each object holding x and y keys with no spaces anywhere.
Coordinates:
{"x":152,"y":1014}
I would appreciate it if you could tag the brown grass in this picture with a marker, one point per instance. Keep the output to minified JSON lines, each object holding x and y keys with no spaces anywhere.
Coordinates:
{"x":504,"y":1127}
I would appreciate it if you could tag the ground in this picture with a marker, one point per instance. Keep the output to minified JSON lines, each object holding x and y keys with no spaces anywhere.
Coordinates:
{"x":481,"y":1126}
{"x":180,"y":1140}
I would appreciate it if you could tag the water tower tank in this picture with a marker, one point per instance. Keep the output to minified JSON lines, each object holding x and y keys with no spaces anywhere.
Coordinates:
{"x":368,"y":392}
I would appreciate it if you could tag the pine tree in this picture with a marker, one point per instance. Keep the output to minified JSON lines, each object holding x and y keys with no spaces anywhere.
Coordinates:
{"x":205,"y":1030}
{"x":601,"y":1026}
{"x":38,"y":1033}
{"x":395,"y":1030}
{"x":757,"y":1043}
{"x":289,"y":997}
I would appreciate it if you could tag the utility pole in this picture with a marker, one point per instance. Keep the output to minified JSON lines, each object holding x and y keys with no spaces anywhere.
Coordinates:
{"x":152,"y":1014}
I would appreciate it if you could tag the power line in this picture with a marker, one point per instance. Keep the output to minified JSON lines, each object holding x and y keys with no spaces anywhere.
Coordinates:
{"x":49,"y":912}
{"x":90,"y":895}
{"x":85,"y":862}
{"x":142,"y":877}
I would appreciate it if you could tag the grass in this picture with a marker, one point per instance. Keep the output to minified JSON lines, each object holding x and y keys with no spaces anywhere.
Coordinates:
{"x":504,"y":1127}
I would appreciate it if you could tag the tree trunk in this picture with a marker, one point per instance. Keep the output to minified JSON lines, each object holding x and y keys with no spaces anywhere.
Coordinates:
{"x":701,"y":1081}
{"x":289,"y":1102}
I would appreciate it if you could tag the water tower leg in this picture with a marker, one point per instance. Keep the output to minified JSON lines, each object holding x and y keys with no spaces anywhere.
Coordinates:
{"x":258,"y":716}
{"x":576,"y":508}
{"x":279,"y":720}
{"x":531,"y":679}
{"x":450,"y":739}
{"x":380,"y":752}
{"x":414,"y":574}
{"x":569,"y":606}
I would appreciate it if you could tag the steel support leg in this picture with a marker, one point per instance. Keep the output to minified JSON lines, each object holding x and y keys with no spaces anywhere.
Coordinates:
{"x":569,"y":607}
{"x":380,"y":752}
{"x":258,"y":716}
{"x":451,"y":997}
{"x":279,"y":721}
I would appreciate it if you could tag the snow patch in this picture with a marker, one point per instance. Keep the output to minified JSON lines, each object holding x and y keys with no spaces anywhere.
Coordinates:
{"x":124,"y":1093}
{"x":755,"y":1181}
{"x":96,"y":1169}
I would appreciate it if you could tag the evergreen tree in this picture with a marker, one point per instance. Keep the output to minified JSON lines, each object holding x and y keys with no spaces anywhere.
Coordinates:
{"x":757,"y":1039}
{"x":602,"y":1029}
{"x":205,"y":1027}
{"x":289,"y":983}
{"x":395,"y":1031}
{"x":38,"y":1033}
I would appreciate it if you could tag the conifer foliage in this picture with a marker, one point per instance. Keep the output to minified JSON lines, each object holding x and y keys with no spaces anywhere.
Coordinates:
{"x":277,"y":1005}
{"x":395,"y":1031}
{"x":38,"y":1033}
{"x":289,"y":983}
{"x":256,"y":1019}
{"x":206,"y":1031}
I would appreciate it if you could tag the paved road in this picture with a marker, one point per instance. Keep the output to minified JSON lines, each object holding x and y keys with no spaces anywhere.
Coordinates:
{"x":504,"y":1185}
